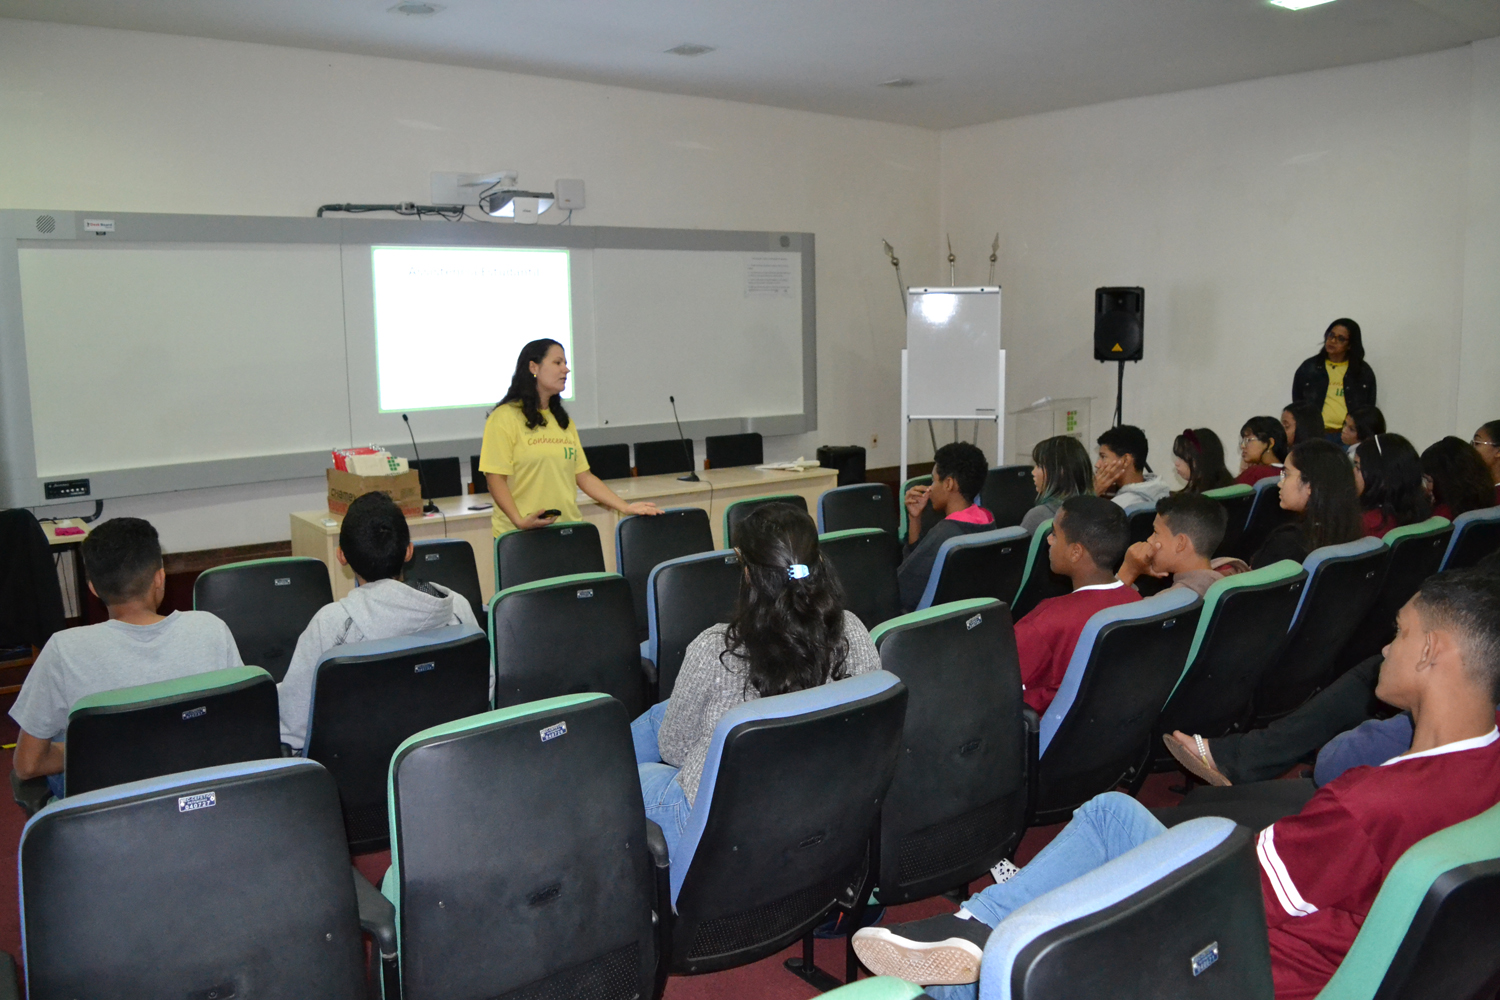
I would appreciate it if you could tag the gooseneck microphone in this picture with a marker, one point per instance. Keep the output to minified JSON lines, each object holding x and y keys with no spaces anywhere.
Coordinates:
{"x":687,"y":452}
{"x":428,"y":507}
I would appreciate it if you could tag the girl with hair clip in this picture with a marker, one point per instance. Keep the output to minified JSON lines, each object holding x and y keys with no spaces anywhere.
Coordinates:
{"x":1060,"y":468}
{"x":1198,"y":457}
{"x":1263,"y":448}
{"x":789,"y":632}
{"x":1317,"y":485}
{"x":531,"y":457}
{"x":1388,"y":476}
{"x":1456,"y":477}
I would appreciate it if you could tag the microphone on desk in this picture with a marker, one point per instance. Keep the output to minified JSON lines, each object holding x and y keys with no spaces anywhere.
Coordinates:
{"x":691,"y":477}
{"x":428,"y":507}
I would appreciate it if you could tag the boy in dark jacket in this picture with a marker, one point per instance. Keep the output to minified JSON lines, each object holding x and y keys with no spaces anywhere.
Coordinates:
{"x":958,"y":472}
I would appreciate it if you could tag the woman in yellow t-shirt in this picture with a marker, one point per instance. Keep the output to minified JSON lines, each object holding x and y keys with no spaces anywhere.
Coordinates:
{"x":531,"y":457}
{"x":1336,"y":379}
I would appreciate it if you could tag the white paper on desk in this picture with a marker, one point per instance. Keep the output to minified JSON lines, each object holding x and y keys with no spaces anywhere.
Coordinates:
{"x":801,"y":465}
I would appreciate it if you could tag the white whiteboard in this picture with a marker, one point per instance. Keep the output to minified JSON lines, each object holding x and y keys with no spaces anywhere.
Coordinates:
{"x":953,"y":347}
{"x":149,"y":356}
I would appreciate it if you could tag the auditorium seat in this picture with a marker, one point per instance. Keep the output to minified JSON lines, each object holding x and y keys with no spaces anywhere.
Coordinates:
{"x":979,"y":564}
{"x":643,"y":543}
{"x":267,"y":603}
{"x":1098,"y":727}
{"x":608,"y":461}
{"x":1416,"y":552}
{"x":369,"y":696}
{"x":1236,"y":501}
{"x":958,"y":802}
{"x":450,"y":563}
{"x":560,"y":549}
{"x":1266,"y":515}
{"x":1476,"y":534}
{"x":864,"y":560}
{"x":1342,"y":582}
{"x":737,"y":511}
{"x":519,"y":865}
{"x":439,"y":477}
{"x":859,"y":505}
{"x":1008,"y":493}
{"x":568,"y":635}
{"x":1038,"y":582}
{"x":227,"y":881}
{"x":684,"y":596}
{"x":129,"y":734}
{"x":724,"y":451}
{"x":663,"y":458}
{"x":761,"y":863}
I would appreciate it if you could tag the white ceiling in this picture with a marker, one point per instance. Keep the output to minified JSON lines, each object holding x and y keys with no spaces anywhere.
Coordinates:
{"x":974,"y":60}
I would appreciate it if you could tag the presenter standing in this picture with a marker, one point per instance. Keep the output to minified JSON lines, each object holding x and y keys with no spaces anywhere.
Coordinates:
{"x":1336,"y":379}
{"x":531,"y":457}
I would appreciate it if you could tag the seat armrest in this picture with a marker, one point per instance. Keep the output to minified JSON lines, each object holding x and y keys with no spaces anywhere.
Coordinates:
{"x":377,"y":917}
{"x":656,"y":843}
{"x":1032,"y":720}
{"x":8,"y":988}
{"x":648,"y":670}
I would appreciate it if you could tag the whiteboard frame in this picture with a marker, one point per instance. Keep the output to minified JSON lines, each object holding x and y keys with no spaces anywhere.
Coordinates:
{"x":20,"y":486}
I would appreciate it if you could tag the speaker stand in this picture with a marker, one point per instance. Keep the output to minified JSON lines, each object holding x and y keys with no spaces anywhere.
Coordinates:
{"x":1119,"y":396}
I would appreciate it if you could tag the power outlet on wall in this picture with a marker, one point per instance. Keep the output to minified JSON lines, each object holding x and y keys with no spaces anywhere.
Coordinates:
{"x":874,"y":440}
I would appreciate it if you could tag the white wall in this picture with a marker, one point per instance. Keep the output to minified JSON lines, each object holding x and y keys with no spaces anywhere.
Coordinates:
{"x":102,"y":119}
{"x":1253,"y":214}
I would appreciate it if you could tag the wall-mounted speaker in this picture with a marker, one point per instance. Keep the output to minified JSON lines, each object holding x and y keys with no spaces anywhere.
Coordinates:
{"x":1119,"y":324}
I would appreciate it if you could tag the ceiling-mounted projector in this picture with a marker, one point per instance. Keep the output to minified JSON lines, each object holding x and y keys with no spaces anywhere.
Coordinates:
{"x":523,"y":206}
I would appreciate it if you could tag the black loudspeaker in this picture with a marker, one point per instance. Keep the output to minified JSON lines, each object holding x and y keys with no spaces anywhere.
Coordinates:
{"x":849,"y":459}
{"x":1119,"y":324}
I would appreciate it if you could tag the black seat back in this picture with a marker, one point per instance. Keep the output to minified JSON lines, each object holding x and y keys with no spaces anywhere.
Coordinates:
{"x":736,"y":512}
{"x":661,"y":458}
{"x":1099,"y":726}
{"x":1342,"y":583}
{"x":1452,"y":948}
{"x":218,"y":717}
{"x":723,"y":451}
{"x":439,"y":477}
{"x":608,"y":461}
{"x":1008,"y":493}
{"x":449,"y":562}
{"x":31,"y":605}
{"x":1140,"y":521}
{"x":1236,"y":501}
{"x":1242,"y":626}
{"x":859,"y":505}
{"x":1038,"y":582}
{"x":501,"y":836}
{"x":979,"y":564}
{"x":1199,"y":933}
{"x":864,"y":560}
{"x":228,"y":881}
{"x":1416,"y":552}
{"x":686,"y":596}
{"x":929,"y":516}
{"x":957,"y":803}
{"x":1476,"y":534}
{"x":1266,"y":515}
{"x":557,"y":550}
{"x":763,"y":861}
{"x":643,"y":543}
{"x":568,"y":635}
{"x":267,"y":604}
{"x":369,"y":696}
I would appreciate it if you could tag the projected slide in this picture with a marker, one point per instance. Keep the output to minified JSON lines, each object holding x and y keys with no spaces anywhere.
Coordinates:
{"x":449,"y":321}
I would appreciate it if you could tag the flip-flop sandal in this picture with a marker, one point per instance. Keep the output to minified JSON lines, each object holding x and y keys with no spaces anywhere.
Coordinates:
{"x":1197,"y":764}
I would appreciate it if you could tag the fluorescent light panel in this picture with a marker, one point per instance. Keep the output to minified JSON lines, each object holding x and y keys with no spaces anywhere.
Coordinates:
{"x":1298,"y":4}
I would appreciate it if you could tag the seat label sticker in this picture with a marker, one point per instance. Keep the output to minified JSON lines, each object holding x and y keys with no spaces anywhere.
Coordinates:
{"x":974,"y":622}
{"x":1208,"y":956}
{"x":553,"y":732}
{"x":192,"y":803}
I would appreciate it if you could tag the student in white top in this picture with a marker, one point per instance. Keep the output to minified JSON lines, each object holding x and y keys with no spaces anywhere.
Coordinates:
{"x":136,"y":646}
{"x":1121,"y":474}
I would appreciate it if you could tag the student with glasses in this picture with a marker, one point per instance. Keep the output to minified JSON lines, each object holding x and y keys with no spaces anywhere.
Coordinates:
{"x":1487,"y":442}
{"x":1263,"y":448}
{"x":1337,"y":379}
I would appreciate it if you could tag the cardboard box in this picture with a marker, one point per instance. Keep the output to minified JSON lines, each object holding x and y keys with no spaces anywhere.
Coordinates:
{"x":345,"y":487}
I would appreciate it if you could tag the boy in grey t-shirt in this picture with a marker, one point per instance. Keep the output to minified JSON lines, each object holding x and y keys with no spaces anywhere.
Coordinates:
{"x":136,"y":645}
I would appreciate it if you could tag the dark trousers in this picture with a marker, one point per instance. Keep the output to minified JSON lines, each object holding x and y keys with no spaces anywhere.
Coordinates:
{"x":1256,"y":805}
{"x":1262,"y":754}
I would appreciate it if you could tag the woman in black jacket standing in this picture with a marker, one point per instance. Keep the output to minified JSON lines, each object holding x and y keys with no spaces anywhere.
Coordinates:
{"x":1336,"y":379}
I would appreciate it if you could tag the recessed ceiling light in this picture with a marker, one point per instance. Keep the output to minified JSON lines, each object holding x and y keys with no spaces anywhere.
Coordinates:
{"x":900,"y":81}
{"x":689,"y":49}
{"x":417,"y":9}
{"x":1298,"y":4}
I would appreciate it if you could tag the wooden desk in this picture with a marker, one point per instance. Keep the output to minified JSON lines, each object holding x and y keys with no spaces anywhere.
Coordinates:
{"x":70,"y":575}
{"x":315,"y":533}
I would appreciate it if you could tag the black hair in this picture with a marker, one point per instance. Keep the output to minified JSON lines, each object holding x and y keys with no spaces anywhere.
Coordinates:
{"x":523,"y":386}
{"x":789,"y":631}
{"x":121,"y":556}
{"x":374,"y":537}
{"x":963,"y":462}
{"x":1203,"y":452}
{"x":1099,"y":525}
{"x":1267,"y":430}
{"x":1064,"y":462}
{"x":1195,"y":515}
{"x":1127,"y":440}
{"x":1467,"y":602}
{"x":1460,"y":479}
{"x":1356,"y":341}
{"x":1368,"y":422}
{"x":1307,"y":423}
{"x":1392,"y":472}
{"x":1492,"y":428}
{"x":1332,"y":515}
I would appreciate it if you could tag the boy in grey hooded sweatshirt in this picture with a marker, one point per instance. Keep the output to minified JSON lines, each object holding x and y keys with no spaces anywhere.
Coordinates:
{"x":375,"y":542}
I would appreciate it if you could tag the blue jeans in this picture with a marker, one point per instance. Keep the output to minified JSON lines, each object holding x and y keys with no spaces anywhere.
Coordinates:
{"x":666,"y":803}
{"x":55,"y":783}
{"x":1102,"y":829}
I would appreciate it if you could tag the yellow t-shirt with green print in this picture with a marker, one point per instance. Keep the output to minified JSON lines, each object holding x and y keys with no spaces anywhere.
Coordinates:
{"x":1334,"y":407}
{"x":541,"y":464}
